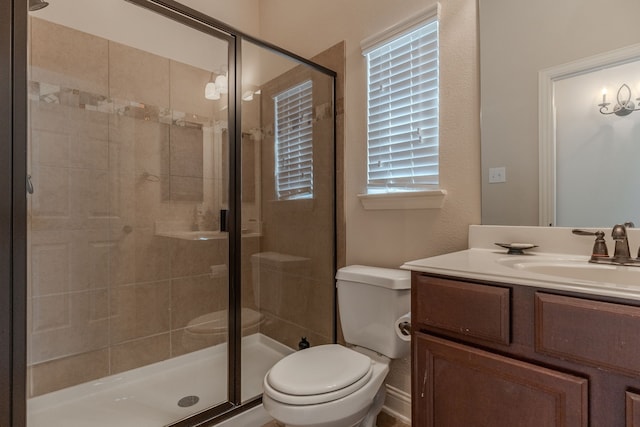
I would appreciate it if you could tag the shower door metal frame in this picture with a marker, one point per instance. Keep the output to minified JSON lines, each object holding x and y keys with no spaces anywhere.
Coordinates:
{"x":13,"y":203}
{"x":13,"y":211}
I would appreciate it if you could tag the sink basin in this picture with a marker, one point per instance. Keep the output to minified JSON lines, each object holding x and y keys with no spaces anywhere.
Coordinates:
{"x":578,"y":270}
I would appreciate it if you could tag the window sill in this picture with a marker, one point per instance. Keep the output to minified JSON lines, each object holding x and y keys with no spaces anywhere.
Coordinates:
{"x":427,"y":199}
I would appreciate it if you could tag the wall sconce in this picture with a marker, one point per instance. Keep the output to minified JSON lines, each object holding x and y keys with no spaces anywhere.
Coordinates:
{"x":624,"y":106}
{"x":210,"y":90}
{"x":247,"y":95}
{"x":37,"y":5}
{"x":222,"y":84}
{"x":217,"y":84}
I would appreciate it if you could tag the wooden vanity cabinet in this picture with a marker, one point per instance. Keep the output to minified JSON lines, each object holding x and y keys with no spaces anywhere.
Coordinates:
{"x":460,"y":385}
{"x":494,"y":355}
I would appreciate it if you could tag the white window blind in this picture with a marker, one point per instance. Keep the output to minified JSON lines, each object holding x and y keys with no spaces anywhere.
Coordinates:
{"x":294,"y":142}
{"x":403,"y":110}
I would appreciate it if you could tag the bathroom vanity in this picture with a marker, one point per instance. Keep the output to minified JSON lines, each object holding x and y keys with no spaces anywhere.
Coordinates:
{"x":541,"y":339}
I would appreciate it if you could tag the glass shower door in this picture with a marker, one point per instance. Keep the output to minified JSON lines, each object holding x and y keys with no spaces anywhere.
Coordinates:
{"x":288,"y":210}
{"x":128,"y":261}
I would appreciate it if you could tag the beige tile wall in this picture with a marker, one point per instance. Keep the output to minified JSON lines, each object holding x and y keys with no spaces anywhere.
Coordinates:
{"x":67,"y":57}
{"x":106,"y":293}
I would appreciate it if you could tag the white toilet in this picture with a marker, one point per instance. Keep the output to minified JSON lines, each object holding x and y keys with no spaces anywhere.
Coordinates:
{"x":335,"y":386}
{"x":211,"y":328}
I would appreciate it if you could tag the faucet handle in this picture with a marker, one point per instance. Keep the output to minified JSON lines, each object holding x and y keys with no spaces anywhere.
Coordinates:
{"x":579,"y":232}
{"x":599,"y":246}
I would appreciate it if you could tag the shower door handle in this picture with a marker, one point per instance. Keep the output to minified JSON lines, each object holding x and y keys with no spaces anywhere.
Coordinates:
{"x":224,"y":225}
{"x":29,"y":185}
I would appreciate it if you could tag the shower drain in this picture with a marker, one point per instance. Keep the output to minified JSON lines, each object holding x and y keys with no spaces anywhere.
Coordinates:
{"x":187,"y":401}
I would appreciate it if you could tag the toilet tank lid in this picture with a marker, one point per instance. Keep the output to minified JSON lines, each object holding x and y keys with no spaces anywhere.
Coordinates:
{"x":385,"y":277}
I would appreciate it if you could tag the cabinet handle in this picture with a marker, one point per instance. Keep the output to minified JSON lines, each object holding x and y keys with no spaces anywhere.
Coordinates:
{"x":424,"y":384}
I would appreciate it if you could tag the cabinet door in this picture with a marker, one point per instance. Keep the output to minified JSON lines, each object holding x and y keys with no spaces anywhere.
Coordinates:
{"x":459,"y":386}
{"x":633,"y":409}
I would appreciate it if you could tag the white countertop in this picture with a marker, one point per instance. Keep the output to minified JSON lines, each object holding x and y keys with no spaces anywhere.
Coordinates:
{"x":489,"y":262}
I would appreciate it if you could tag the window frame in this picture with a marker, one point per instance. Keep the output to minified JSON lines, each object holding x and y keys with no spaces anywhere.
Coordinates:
{"x":304,"y":141}
{"x":423,"y":194}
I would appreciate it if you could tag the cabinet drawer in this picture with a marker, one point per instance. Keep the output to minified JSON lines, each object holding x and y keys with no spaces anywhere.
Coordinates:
{"x":596,"y":333}
{"x":465,"y":309}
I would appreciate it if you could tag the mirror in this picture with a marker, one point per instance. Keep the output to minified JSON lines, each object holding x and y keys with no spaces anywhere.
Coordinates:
{"x":518,"y":39}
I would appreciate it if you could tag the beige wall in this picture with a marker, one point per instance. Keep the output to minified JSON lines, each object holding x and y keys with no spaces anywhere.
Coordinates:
{"x":388,"y":238}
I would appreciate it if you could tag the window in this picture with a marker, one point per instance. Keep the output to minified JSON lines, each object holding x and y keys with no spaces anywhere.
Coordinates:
{"x":294,"y":142}
{"x":402,"y":126}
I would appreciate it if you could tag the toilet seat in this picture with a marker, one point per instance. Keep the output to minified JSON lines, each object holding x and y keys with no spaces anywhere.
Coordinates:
{"x":318,"y":375}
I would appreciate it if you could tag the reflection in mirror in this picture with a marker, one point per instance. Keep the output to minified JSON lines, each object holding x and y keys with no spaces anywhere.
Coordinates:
{"x":588,"y":140}
{"x":185,"y":163}
{"x":518,"y":39}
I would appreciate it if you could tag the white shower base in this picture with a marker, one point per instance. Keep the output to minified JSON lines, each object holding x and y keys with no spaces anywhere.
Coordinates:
{"x":148,"y":396}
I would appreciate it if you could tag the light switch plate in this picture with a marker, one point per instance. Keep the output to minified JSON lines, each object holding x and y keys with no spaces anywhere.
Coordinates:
{"x":497,"y":175}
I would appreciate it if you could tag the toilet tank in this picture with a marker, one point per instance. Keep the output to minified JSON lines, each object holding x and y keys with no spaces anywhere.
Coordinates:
{"x":370,"y":300}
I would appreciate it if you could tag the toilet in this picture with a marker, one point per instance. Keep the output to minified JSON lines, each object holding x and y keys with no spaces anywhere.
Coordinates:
{"x":269,"y":271}
{"x":211,"y":328}
{"x":336,"y":386}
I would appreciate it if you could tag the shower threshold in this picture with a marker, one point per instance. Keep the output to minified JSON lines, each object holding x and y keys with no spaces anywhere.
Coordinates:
{"x":149,"y":396}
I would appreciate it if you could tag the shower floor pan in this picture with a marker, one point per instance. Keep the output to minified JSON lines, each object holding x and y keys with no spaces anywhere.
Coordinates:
{"x":149,"y":396}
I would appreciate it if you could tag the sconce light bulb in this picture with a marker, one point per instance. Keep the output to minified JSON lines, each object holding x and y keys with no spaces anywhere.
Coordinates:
{"x":222,"y":84}
{"x":247,"y":96}
{"x":211,"y":91}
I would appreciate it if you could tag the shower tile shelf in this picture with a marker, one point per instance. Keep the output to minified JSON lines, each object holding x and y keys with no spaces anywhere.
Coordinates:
{"x":202,"y":235}
{"x":179,"y":230}
{"x":194,"y":235}
{"x":182,"y":230}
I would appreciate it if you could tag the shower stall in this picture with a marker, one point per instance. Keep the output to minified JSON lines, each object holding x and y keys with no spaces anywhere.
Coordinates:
{"x":170,"y":214}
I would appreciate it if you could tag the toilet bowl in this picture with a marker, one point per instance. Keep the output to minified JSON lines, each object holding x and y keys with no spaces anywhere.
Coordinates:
{"x":211,"y":328}
{"x":336,"y":386}
{"x":339,"y":387}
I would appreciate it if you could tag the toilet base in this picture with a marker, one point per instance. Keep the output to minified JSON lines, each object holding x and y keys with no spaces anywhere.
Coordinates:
{"x":371,"y":417}
{"x":368,"y":419}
